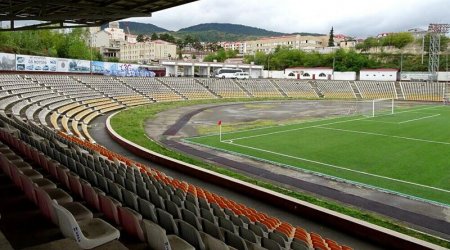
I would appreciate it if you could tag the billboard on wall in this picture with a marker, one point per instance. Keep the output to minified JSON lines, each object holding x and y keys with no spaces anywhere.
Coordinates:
{"x":97,"y":67}
{"x":35,"y":63}
{"x":50,"y":64}
{"x":79,"y":66}
{"x":7,"y":61}
{"x":62,"y":65}
{"x":120,"y":69}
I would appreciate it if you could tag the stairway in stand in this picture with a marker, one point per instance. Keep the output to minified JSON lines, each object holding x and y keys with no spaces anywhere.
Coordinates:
{"x":356,"y":90}
{"x":207,"y":88}
{"x":278,"y":88}
{"x":316,"y":89}
{"x":399,"y":91}
{"x":243,"y":89}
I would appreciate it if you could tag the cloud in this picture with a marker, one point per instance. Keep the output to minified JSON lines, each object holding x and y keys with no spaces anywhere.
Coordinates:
{"x":351,"y":17}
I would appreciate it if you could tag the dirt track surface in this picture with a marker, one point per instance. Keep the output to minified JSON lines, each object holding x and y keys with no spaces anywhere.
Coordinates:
{"x":170,"y":126}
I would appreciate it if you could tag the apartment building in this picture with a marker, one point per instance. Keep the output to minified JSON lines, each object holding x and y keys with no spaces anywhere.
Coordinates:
{"x":269,"y":44}
{"x":147,"y":51}
{"x":238,"y":46}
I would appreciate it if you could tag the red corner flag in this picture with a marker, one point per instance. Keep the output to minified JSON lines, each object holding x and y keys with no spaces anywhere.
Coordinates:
{"x":220,"y":129}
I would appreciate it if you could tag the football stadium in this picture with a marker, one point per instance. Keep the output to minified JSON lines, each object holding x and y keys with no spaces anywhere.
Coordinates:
{"x":92,"y":161}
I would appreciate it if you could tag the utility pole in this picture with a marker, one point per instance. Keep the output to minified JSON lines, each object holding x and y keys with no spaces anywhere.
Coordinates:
{"x":334,"y":62}
{"x":401,"y":63}
{"x":423,"y":46}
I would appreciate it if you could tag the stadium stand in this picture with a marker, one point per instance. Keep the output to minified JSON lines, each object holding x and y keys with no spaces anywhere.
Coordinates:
{"x":188,"y":88}
{"x":225,"y":88}
{"x":260,"y":88}
{"x":115,"y":89}
{"x":80,"y":166}
{"x":136,"y":198}
{"x":336,"y":89}
{"x":296,"y":88}
{"x":423,"y":91}
{"x":152,"y":88}
{"x":376,"y":90}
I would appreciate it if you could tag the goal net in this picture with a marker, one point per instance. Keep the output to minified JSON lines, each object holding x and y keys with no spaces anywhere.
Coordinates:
{"x":377,"y":107}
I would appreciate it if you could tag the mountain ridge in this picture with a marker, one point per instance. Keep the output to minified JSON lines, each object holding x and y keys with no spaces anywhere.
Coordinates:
{"x":208,"y":32}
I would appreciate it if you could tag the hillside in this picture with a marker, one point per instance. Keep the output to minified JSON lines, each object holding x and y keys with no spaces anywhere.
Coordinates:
{"x":236,"y":29}
{"x":206,"y":32}
{"x":140,"y":28}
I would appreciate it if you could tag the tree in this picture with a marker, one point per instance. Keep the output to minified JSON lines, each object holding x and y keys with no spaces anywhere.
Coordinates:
{"x":197,"y":46}
{"x":154,"y":37}
{"x":398,"y":40}
{"x":370,"y":42}
{"x":113,"y":59}
{"x":221,"y":55}
{"x":188,"y":41}
{"x":331,"y":39}
{"x":140,"y":38}
{"x":168,"y":38}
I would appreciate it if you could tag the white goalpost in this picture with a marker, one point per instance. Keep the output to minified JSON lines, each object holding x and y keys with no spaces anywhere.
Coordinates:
{"x":377,"y":107}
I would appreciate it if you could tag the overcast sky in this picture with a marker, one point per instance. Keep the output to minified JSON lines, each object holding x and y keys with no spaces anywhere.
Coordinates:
{"x":350,"y":17}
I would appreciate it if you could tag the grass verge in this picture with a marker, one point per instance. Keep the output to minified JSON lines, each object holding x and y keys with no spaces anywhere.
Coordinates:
{"x":130,"y":125}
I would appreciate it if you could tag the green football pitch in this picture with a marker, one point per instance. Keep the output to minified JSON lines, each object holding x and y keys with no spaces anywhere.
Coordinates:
{"x":407,"y":152}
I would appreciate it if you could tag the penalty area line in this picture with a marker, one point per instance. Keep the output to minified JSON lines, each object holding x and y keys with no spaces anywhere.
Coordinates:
{"x":339,"y":167}
{"x":421,"y":118}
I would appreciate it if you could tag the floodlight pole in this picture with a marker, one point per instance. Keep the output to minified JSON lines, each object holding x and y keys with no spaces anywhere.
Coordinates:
{"x":435,"y":30}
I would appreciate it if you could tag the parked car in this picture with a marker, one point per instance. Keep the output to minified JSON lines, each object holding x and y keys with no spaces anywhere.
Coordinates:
{"x":241,"y":75}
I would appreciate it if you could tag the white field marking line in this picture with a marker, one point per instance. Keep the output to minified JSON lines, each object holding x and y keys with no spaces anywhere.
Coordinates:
{"x":295,"y":129}
{"x":426,"y":117}
{"x":342,"y":168}
{"x":331,"y":123}
{"x":370,"y":118}
{"x":384,"y":135}
{"x":379,"y":121}
{"x":271,"y":126}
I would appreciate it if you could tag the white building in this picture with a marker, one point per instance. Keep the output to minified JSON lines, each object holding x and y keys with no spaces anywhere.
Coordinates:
{"x":204,"y":69}
{"x":379,"y":75}
{"x":417,"y":32}
{"x":239,"y":46}
{"x":348,"y":44}
{"x":98,"y":38}
{"x":147,"y":51}
{"x":110,"y":39}
{"x":115,"y":32}
{"x":319,"y":73}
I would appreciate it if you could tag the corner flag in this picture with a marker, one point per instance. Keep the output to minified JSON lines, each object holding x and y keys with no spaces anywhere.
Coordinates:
{"x":220,"y":129}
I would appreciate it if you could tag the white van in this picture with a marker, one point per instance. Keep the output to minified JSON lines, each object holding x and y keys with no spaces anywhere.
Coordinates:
{"x":241,"y":75}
